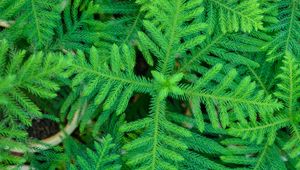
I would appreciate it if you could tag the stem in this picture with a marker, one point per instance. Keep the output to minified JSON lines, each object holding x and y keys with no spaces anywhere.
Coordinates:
{"x":58,"y":137}
{"x":6,"y":24}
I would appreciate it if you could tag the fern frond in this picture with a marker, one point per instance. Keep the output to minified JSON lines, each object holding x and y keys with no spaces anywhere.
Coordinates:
{"x":228,"y":49}
{"x":117,"y":84}
{"x":32,"y":76}
{"x":256,"y":157}
{"x":264,"y":74}
{"x":232,"y":16}
{"x":200,"y":147}
{"x":259,"y":131}
{"x":155,"y":149}
{"x":205,"y":148}
{"x":9,"y":8}
{"x":43,"y":17}
{"x":119,"y":7}
{"x":36,"y":19}
{"x":232,"y":49}
{"x":100,"y":158}
{"x":289,"y":93}
{"x":11,"y":138}
{"x":53,"y":158}
{"x":77,"y":32}
{"x":287,"y":34}
{"x":122,"y":29}
{"x":243,"y":99}
{"x":165,"y":43}
{"x":288,"y":88}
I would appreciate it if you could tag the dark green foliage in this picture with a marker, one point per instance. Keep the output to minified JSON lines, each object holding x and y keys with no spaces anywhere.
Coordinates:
{"x":22,"y":79}
{"x":11,"y":138}
{"x":75,"y":31}
{"x":37,"y":19}
{"x":288,"y":92}
{"x":152,"y":85}
{"x":233,"y":15}
{"x":287,"y":35}
{"x":101,"y":158}
{"x":245,"y":153}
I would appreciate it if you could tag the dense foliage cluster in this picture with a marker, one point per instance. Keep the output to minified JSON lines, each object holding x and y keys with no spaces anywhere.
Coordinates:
{"x":161,"y":84}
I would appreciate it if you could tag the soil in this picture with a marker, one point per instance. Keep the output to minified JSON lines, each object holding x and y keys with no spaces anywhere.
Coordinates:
{"x":42,"y":128}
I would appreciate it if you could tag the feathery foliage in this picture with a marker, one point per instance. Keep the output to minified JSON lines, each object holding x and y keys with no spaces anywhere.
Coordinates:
{"x":288,"y":93}
{"x":25,"y":77}
{"x":117,"y":84}
{"x":233,"y":15}
{"x":37,"y":19}
{"x":101,"y":158}
{"x":160,"y":84}
{"x":247,"y":154}
{"x":287,"y":34}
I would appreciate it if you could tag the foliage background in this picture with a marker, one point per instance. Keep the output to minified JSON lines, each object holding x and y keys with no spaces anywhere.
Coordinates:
{"x":169,"y":84}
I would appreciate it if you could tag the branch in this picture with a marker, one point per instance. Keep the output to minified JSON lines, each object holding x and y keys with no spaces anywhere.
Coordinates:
{"x":6,"y":24}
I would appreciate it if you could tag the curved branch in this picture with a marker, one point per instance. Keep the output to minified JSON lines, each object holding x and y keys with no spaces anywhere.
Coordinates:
{"x":58,"y":137}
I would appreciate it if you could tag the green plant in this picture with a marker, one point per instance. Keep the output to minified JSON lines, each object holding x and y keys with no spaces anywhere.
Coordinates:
{"x":167,"y":84}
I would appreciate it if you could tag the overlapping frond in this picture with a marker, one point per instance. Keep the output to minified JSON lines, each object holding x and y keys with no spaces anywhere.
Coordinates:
{"x":287,"y":35}
{"x":234,"y":15}
{"x":32,"y":76}
{"x":289,"y":92}
{"x":119,"y":30}
{"x":258,"y":131}
{"x":201,"y":149}
{"x":42,"y":17}
{"x":78,"y":31}
{"x":288,"y":88}
{"x":11,"y":138}
{"x":165,"y":42}
{"x":205,"y":148}
{"x":99,"y":158}
{"x":230,"y":49}
{"x":257,"y":157}
{"x":109,"y":83}
{"x":9,"y":8}
{"x":158,"y":144}
{"x":23,"y":77}
{"x":241,"y":99}
{"x":34,"y":19}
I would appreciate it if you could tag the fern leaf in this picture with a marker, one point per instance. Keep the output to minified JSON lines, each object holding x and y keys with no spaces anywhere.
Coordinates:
{"x":117,"y":85}
{"x":288,"y":91}
{"x":165,"y":46}
{"x":258,"y":131}
{"x":160,"y":149}
{"x":42,"y":17}
{"x":77,"y":34}
{"x":287,"y":36}
{"x":218,"y":48}
{"x":11,"y":138}
{"x":259,"y":157}
{"x":33,"y":76}
{"x":9,"y":8}
{"x":102,"y":158}
{"x":232,"y":16}
{"x":242,"y":98}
